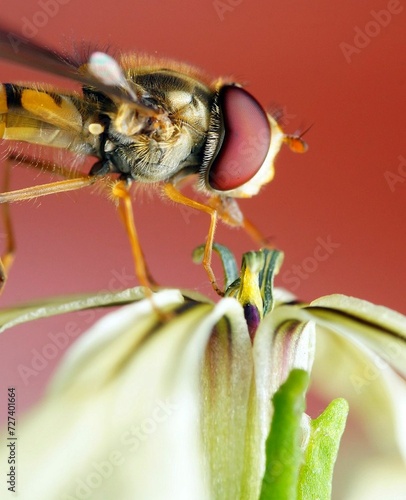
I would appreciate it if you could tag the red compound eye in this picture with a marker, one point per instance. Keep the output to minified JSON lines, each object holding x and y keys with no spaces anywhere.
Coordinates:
{"x":247,"y":136}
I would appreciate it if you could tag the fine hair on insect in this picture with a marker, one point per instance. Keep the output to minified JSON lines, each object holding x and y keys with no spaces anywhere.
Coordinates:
{"x":143,"y":120}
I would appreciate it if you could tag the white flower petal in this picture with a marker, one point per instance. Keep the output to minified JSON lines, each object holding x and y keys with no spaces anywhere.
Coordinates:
{"x":226,"y":381}
{"x":357,"y":346}
{"x":377,"y":327}
{"x":130,"y":429}
{"x":50,"y":307}
{"x":123,"y":417}
{"x":279,"y":346}
{"x":376,"y":394}
{"x":89,"y":361}
{"x":378,"y":478}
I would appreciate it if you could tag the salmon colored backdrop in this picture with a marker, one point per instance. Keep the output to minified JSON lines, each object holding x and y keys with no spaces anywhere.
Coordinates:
{"x":340,"y":66}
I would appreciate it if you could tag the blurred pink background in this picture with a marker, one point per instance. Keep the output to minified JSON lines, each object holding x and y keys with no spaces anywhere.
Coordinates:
{"x":349,"y":189}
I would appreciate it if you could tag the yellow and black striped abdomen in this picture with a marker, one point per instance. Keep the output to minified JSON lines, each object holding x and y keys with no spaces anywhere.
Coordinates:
{"x":39,"y":116}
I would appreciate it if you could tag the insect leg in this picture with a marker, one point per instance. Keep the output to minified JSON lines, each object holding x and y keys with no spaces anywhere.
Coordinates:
{"x":121,"y":192}
{"x":7,"y":197}
{"x":178,"y":197}
{"x":45,"y":166}
{"x":256,"y":235}
{"x":230,"y":213}
{"x":7,"y":258}
{"x":27,"y":194}
{"x":46,"y":189}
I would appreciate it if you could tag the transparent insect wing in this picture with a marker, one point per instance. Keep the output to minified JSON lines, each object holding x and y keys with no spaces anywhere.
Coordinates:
{"x":108,"y":72}
{"x":19,"y":50}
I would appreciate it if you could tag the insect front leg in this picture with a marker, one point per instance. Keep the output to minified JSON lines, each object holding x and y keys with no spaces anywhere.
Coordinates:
{"x":178,"y":197}
{"x":7,"y":257}
{"x":120,"y":191}
{"x":229,"y":212}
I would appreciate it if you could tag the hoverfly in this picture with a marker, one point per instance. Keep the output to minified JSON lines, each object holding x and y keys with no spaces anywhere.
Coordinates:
{"x":148,"y":121}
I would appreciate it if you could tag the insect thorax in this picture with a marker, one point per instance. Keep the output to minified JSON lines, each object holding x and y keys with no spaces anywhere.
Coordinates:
{"x":152,"y":149}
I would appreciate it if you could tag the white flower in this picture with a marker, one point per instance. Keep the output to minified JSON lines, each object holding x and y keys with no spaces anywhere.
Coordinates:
{"x":142,"y":408}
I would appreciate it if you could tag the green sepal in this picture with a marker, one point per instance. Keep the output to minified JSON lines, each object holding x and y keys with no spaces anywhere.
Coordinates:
{"x":316,"y":473}
{"x":227,"y":260}
{"x":283,"y":451}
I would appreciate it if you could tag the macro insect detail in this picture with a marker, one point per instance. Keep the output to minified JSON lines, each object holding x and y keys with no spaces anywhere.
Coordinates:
{"x":147,"y":121}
